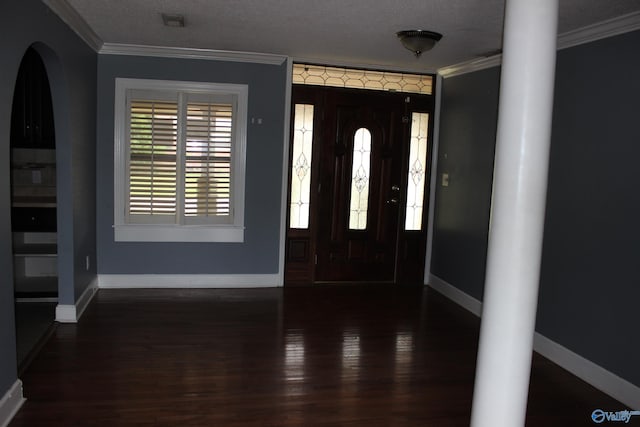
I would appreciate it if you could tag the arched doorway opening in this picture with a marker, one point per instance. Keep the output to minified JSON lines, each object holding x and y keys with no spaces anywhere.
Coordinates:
{"x":33,"y":207}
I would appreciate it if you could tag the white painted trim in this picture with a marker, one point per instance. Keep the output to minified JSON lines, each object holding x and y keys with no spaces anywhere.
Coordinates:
{"x":463,"y":299}
{"x":66,"y":313}
{"x":470,"y":66}
{"x":71,"y":313}
{"x":190,"y":53}
{"x":188,"y":281}
{"x":11,"y":403}
{"x":177,"y":233}
{"x":601,"y":30}
{"x":597,"y":376}
{"x":86,"y":297}
{"x":285,"y":172}
{"x":433,"y":184}
{"x":76,"y":22}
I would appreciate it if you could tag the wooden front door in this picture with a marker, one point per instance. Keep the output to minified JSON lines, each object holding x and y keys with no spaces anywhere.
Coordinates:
{"x":358,"y":175}
{"x":359,"y":188}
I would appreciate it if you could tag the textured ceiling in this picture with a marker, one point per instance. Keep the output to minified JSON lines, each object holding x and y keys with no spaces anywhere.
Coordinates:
{"x":354,"y":32}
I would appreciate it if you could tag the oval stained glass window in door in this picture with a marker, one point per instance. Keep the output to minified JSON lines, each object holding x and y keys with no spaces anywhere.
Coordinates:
{"x":360,"y":173}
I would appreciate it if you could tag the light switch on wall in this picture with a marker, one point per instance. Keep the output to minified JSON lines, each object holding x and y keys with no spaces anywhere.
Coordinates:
{"x":445,"y":179}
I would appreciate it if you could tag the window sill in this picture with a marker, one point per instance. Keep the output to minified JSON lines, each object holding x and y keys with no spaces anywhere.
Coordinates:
{"x":179,"y":233}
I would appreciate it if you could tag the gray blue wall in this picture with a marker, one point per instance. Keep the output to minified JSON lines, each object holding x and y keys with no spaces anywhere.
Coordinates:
{"x":590,"y":284}
{"x":71,"y":66}
{"x":589,"y":289}
{"x":258,"y":254}
{"x":466,"y":149}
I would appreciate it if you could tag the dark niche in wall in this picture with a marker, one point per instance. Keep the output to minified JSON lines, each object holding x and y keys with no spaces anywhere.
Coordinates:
{"x":33,"y":182}
{"x":32,"y":114}
{"x":33,"y":157}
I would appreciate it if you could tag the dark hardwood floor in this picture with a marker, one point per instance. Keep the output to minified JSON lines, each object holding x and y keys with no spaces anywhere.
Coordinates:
{"x":327,"y":356}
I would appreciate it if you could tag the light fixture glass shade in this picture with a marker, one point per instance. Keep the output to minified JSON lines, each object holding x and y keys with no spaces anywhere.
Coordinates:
{"x":418,"y":41}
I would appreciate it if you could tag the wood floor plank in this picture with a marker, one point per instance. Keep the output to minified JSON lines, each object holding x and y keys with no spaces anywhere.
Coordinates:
{"x":326,"y":356}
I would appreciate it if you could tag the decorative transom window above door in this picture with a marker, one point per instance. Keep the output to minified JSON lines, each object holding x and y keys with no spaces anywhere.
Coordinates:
{"x":322,"y":75}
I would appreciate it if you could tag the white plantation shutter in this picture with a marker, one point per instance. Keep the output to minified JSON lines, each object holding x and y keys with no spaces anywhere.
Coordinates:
{"x":153,"y":134}
{"x":180,"y":158}
{"x":208,"y":161}
{"x":180,"y":161}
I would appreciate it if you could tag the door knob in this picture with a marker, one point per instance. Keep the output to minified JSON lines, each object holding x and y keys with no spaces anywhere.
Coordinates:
{"x":393,"y":200}
{"x":395,"y":188}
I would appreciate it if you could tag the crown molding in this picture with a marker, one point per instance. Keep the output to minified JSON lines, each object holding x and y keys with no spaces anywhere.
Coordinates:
{"x":76,"y":22}
{"x":470,"y":66}
{"x":190,"y":53}
{"x":601,"y":30}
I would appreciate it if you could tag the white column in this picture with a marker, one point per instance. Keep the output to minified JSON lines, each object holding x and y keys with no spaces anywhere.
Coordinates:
{"x":517,"y":215}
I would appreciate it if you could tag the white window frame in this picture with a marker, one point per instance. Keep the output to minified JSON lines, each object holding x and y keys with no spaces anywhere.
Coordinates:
{"x":135,"y":232}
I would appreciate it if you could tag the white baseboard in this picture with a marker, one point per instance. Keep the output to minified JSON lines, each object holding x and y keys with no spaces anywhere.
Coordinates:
{"x":11,"y":403}
{"x":597,"y":376}
{"x":70,"y":313}
{"x":186,"y":281}
{"x":456,"y":295}
{"x":586,"y":370}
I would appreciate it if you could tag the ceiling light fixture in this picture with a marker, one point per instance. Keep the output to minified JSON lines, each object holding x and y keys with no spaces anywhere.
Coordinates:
{"x":176,"y":21}
{"x":418,"y":41}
